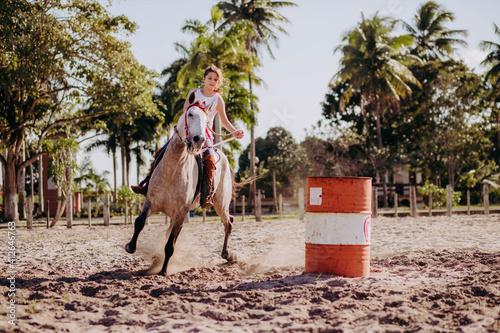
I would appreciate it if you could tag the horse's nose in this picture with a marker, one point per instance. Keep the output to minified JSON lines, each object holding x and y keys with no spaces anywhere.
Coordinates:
{"x":198,"y":139}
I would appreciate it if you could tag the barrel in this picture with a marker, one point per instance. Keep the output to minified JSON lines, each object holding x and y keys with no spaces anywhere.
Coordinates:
{"x":338,"y":230}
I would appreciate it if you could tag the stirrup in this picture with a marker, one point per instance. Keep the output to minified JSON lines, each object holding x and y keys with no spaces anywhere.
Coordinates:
{"x":208,"y":202}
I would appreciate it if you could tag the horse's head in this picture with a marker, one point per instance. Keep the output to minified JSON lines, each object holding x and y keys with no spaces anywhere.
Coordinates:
{"x":192,"y":128}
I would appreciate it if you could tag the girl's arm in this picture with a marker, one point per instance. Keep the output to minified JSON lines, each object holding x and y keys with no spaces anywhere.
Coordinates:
{"x":221,"y":110}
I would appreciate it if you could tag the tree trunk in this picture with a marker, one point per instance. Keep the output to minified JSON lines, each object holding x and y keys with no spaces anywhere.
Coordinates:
{"x":10,"y":188}
{"x":380,"y":146}
{"x":115,"y":171}
{"x":253,"y":185}
{"x":498,"y":136}
{"x":61,"y":206}
{"x":41,"y":203}
{"x":138,"y":169}
{"x":275,"y":192}
{"x":124,"y":161}
{"x":21,"y":186}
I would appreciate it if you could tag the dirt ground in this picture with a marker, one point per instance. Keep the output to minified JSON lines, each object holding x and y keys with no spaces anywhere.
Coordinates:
{"x":429,"y":274}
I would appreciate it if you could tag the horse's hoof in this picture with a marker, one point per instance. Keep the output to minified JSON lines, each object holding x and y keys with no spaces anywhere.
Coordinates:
{"x":128,"y":249}
{"x":162,"y":273}
{"x":230,"y":257}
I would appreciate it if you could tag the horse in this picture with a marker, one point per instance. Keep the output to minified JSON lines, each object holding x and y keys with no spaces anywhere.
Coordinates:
{"x":173,"y":184}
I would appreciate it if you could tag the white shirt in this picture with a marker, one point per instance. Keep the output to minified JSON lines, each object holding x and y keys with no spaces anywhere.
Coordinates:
{"x":210,"y":104}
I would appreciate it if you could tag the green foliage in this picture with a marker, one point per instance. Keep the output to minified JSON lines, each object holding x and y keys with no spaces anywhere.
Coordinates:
{"x":492,"y":61}
{"x":366,"y":92}
{"x":126,"y":196}
{"x":439,"y":195}
{"x":277,"y":152}
{"x":441,"y":128}
{"x":89,"y":181}
{"x":486,"y":171}
{"x":227,"y":49}
{"x":62,"y":168}
{"x":63,"y":65}
{"x":263,"y":17}
{"x":338,"y":156}
{"x":432,"y":38}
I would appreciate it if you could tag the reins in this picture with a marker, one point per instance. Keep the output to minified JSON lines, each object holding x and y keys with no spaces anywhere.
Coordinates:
{"x":208,"y":128}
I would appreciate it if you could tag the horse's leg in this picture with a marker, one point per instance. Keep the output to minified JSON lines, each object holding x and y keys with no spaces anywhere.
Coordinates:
{"x":228,"y":227}
{"x":138,"y":226}
{"x":176,"y":228}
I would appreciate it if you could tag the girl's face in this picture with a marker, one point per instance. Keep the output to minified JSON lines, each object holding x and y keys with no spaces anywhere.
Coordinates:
{"x":211,"y":80}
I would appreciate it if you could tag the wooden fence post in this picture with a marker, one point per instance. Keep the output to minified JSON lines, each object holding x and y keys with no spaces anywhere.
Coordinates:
{"x":413,"y":201}
{"x":486,"y":196}
{"x":243,"y":208}
{"x":281,"y":206}
{"x":448,"y":200}
{"x":468,"y":201}
{"x":90,"y":213}
{"x":48,"y":213}
{"x":258,"y":207}
{"x":301,"y":204}
{"x":105,"y":209}
{"x":69,"y":211}
{"x":396,"y":205}
{"x":430,"y":203}
{"x":126,"y":211}
{"x":375,"y":201}
{"x":29,"y":210}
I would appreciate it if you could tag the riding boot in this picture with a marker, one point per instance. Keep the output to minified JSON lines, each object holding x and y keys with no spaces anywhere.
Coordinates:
{"x":207,"y":191}
{"x":142,"y":188}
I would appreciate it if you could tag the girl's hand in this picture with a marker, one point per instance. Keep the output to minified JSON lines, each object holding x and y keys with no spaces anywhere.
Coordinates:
{"x":239,"y":134}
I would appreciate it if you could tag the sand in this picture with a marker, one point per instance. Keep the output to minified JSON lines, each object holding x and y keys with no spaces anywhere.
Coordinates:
{"x":429,"y":274}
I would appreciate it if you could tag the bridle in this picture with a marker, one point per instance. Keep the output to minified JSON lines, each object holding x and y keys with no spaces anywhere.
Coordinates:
{"x":207,"y":129}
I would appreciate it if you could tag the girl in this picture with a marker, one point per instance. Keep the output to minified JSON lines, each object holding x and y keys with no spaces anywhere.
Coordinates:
{"x":210,"y":96}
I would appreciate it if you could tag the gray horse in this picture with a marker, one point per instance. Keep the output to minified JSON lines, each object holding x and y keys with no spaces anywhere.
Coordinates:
{"x":173,"y":183}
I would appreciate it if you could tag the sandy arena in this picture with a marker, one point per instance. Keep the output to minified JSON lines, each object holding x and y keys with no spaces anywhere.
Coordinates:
{"x":429,"y":274}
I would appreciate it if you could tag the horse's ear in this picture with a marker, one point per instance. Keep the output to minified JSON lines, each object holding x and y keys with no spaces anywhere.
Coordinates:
{"x":191,"y":98}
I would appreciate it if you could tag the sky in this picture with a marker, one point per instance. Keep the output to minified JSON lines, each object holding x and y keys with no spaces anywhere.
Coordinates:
{"x":296,"y":80}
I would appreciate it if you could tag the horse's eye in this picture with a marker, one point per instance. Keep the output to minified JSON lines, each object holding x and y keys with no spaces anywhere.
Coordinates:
{"x":190,"y":115}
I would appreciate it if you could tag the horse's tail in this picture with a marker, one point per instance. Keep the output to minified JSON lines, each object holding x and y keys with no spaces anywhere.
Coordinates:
{"x":237,"y":186}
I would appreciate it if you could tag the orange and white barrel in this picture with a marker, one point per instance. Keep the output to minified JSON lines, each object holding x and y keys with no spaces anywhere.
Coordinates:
{"x":338,"y":230}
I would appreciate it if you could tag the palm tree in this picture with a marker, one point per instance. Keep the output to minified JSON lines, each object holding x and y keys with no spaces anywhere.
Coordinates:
{"x":122,"y":136}
{"x":169,"y":99}
{"x":373,"y":66}
{"x":373,"y":71}
{"x":492,"y":61}
{"x":224,"y":48}
{"x":264,"y":18}
{"x":432,"y":38}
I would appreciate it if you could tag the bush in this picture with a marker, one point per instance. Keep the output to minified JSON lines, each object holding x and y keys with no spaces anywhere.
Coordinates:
{"x":438,"y":196}
{"x":134,"y":200}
